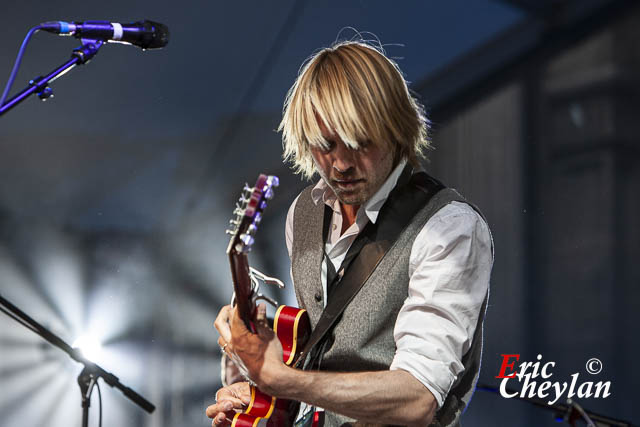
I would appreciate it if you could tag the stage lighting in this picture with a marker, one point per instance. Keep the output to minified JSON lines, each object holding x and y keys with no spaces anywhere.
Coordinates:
{"x":89,"y":347}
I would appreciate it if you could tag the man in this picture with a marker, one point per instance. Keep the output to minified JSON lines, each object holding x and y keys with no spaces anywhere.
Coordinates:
{"x":406,"y":350}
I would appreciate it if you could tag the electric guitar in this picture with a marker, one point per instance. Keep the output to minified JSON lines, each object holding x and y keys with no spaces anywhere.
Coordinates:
{"x":291,"y":325}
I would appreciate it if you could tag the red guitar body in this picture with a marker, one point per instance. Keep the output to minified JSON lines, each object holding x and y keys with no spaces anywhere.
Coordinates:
{"x":291,"y":325}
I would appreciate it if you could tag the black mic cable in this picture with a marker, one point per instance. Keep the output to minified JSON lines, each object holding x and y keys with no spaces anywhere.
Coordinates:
{"x":16,"y":65}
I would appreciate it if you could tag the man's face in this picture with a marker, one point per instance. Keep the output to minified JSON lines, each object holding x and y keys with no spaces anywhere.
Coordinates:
{"x":354,"y":175}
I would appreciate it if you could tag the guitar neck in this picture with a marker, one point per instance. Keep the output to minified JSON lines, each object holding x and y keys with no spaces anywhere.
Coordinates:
{"x":242,"y":287}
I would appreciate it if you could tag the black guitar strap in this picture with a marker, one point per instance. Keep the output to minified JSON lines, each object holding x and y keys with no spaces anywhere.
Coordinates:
{"x":367,"y":250}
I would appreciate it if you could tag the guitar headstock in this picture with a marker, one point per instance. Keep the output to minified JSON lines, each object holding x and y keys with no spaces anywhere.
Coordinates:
{"x":248,"y":213}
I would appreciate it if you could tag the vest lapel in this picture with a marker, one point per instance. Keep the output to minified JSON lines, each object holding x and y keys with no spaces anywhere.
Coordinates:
{"x":307,"y":254}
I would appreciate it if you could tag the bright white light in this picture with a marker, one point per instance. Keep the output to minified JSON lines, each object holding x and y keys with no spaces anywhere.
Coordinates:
{"x":89,"y":347}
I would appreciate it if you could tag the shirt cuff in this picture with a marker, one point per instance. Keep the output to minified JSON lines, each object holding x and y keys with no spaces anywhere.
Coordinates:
{"x":433,"y":374}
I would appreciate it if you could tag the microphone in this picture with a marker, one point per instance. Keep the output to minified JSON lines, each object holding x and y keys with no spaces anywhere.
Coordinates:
{"x":144,"y":34}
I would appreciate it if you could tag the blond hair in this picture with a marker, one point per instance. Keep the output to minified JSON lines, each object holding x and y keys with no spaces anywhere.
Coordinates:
{"x":358,"y":93}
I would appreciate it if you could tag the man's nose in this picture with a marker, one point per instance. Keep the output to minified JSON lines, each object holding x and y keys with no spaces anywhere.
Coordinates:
{"x":343,"y":158}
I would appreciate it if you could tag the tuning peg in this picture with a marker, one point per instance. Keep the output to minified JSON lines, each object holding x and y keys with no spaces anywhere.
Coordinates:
{"x":246,"y":188}
{"x":229,"y":232}
{"x":257,"y":218}
{"x":242,"y":246}
{"x":238,"y":211}
{"x":268,"y":194}
{"x":273,"y":181}
{"x":247,"y":239}
{"x":252,"y":228}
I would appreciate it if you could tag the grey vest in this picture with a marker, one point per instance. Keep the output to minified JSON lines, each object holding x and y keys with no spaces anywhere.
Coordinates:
{"x":363,"y":340}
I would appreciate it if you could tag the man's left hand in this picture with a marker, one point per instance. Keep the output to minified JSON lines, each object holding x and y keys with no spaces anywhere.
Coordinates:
{"x":261,"y":352}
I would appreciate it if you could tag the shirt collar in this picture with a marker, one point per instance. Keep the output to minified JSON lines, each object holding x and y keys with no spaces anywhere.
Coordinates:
{"x":371,"y":208}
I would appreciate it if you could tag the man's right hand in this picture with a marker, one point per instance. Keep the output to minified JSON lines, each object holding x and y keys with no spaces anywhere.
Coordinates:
{"x":229,"y":400}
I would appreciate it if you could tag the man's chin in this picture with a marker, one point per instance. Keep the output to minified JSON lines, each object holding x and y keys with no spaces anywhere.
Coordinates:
{"x":350,"y":198}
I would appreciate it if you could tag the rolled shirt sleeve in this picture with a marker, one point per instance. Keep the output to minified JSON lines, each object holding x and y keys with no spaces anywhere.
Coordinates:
{"x":449,"y":269}
{"x":288,"y":227}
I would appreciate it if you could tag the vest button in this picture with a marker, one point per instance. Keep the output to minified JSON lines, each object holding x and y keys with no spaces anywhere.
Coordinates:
{"x":318,"y":296}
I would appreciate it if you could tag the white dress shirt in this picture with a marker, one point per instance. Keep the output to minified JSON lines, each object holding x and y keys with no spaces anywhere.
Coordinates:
{"x":449,"y":268}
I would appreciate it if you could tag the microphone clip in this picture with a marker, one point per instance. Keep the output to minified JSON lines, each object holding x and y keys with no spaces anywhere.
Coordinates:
{"x":88,"y":50}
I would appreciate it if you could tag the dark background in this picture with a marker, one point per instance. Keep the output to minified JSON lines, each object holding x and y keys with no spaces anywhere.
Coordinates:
{"x":115,"y":194}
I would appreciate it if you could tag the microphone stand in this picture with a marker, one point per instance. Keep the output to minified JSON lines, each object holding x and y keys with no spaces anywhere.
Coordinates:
{"x":40,"y":85}
{"x":91,"y":372}
{"x":570,"y":412}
